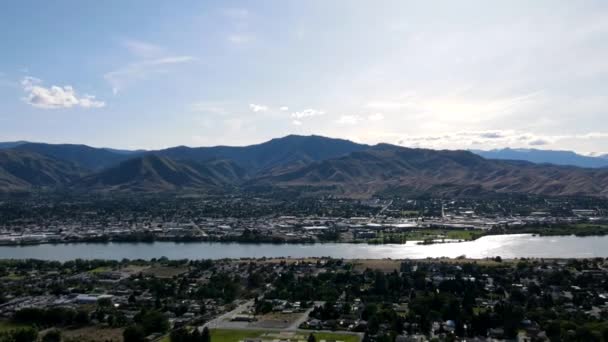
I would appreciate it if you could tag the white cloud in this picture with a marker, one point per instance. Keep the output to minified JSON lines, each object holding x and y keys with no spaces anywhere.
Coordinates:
{"x":348,"y":120}
{"x":143,"y":49}
{"x":89,"y":101}
{"x":492,"y":139}
{"x":300,"y":116}
{"x":29,"y":81}
{"x":375,"y":117}
{"x":387,"y":105}
{"x":592,"y":135}
{"x":122,"y":77}
{"x":257,"y":108}
{"x":538,"y":142}
{"x":284,"y":108}
{"x":458,"y":107}
{"x":598,"y":154}
{"x":307,"y":113}
{"x":56,"y":96}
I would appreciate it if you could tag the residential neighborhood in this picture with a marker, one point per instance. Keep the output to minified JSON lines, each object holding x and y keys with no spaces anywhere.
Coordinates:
{"x":364,"y":300}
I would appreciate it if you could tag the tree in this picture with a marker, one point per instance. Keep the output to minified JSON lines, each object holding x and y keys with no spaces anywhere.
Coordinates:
{"x":195,"y":335}
{"x":104,"y":302}
{"x":154,"y":321}
{"x":183,"y":335}
{"x":25,"y":335}
{"x":312,"y":338}
{"x":53,"y":335}
{"x":180,"y":335}
{"x":134,"y":333}
{"x":82,"y":318}
{"x":205,"y":336}
{"x":585,"y":334}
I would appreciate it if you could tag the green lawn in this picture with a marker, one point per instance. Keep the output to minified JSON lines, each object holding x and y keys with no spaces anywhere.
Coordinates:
{"x":6,"y":326}
{"x":100,"y":269}
{"x":423,"y":234}
{"x":12,"y":276}
{"x":226,"y":335}
{"x":464,"y":234}
{"x":579,"y":229}
{"x":410,"y":212}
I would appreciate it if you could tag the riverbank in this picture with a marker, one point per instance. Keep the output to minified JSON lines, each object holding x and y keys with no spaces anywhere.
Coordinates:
{"x":578,"y":229}
{"x":420,"y":236}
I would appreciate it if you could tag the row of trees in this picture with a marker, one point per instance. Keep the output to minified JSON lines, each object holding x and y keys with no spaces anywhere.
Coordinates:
{"x":194,"y":335}
{"x":146,"y":322}
{"x":51,"y":317}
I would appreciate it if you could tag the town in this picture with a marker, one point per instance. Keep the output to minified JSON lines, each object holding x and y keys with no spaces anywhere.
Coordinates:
{"x":258,"y":219}
{"x":304,"y":299}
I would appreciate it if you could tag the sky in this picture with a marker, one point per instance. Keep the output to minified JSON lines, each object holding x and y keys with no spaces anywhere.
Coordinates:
{"x":437,"y":74}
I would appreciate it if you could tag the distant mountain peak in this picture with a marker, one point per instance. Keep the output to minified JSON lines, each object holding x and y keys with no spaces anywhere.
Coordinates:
{"x":556,"y":157}
{"x":11,"y":144}
{"x":284,"y":151}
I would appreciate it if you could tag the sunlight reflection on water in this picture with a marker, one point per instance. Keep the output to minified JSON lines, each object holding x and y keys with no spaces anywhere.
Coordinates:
{"x":506,"y":246}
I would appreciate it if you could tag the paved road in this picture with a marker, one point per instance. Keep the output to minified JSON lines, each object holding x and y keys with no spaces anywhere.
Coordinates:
{"x":220,"y":321}
{"x":296,"y":324}
{"x":223,"y":322}
{"x":381,"y":211}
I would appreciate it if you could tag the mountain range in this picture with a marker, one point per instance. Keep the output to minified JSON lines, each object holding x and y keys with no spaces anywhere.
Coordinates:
{"x":546,"y":157}
{"x":308,"y":164}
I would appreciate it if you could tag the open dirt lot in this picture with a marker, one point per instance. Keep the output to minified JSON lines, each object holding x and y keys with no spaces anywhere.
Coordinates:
{"x":224,"y":335}
{"x":94,"y":334}
{"x":276,"y":320}
{"x":165,"y":272}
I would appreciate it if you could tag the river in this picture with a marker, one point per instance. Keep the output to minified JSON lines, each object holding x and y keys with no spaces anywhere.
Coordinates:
{"x":505,"y":246}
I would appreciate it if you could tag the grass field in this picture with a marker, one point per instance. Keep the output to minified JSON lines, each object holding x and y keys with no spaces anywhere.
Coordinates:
{"x":164,"y":271}
{"x":578,"y":229}
{"x":226,"y":335}
{"x":12,"y":276}
{"x":384,"y":265}
{"x":390,"y":265}
{"x":423,"y":234}
{"x":100,"y":269}
{"x":94,"y":334}
{"x":6,"y":326}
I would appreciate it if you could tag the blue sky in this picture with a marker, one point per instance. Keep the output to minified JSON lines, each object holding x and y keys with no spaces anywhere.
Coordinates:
{"x":453,"y":74}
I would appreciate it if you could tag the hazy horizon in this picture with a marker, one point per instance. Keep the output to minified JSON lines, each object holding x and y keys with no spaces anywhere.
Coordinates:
{"x":602,"y":155}
{"x":442,"y":75}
